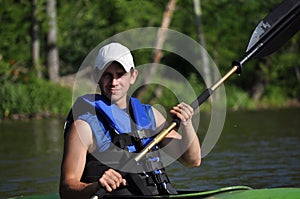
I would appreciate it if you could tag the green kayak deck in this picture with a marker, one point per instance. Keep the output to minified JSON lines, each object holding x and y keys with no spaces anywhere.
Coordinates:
{"x":234,"y":192}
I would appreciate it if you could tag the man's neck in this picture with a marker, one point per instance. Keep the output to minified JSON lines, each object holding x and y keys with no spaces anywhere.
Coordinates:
{"x":122,"y":103}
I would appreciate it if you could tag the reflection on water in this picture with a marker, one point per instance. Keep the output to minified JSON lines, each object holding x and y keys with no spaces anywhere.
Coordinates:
{"x":29,"y":157}
{"x":258,"y":149}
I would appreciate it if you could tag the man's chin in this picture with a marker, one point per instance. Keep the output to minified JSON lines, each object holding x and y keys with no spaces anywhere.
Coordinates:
{"x":112,"y":98}
{"x":107,"y":96}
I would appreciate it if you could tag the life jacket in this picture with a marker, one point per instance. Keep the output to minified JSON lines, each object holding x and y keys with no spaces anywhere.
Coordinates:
{"x":129,"y":134}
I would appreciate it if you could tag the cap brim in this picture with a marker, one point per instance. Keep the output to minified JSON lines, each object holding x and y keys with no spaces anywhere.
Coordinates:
{"x":106,"y":64}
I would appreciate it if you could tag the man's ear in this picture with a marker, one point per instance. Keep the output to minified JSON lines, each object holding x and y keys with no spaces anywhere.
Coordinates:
{"x":134,"y":75}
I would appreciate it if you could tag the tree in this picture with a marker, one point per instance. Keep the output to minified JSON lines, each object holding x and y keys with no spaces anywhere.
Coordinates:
{"x":35,"y":43}
{"x":157,"y":53}
{"x":52,"y":49}
{"x":201,"y":39}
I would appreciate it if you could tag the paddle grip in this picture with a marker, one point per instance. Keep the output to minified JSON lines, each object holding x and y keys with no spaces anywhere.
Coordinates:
{"x":201,"y":98}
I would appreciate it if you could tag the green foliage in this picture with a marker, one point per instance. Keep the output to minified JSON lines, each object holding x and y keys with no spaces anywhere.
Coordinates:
{"x":238,"y":99}
{"x":275,"y":97}
{"x":84,"y":24}
{"x":13,"y":71}
{"x":14,"y":29}
{"x":34,"y":97}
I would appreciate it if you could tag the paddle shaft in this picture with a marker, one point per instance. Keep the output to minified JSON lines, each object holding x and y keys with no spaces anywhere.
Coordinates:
{"x":195,"y":104}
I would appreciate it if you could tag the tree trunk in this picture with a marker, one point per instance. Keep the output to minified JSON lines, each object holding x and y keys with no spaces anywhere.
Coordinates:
{"x":207,"y":73}
{"x":35,"y":43}
{"x":161,"y":35}
{"x":259,"y":84}
{"x":157,"y":53}
{"x":52,"y":50}
{"x":205,"y":62}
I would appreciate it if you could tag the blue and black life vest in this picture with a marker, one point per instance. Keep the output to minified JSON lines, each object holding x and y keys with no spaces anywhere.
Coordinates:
{"x":120,"y":134}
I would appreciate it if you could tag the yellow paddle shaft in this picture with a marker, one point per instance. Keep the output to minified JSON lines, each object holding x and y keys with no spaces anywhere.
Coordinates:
{"x":155,"y":141}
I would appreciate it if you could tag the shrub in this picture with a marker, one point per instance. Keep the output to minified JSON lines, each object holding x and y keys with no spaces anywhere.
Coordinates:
{"x":34,"y":97}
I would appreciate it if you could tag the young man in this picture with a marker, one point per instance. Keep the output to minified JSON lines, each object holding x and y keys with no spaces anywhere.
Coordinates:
{"x":109,"y":125}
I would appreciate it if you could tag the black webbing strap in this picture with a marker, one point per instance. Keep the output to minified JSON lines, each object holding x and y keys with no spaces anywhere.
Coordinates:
{"x":140,"y":184}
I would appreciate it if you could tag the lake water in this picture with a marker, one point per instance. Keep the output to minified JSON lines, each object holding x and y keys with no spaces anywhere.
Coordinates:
{"x":256,"y":148}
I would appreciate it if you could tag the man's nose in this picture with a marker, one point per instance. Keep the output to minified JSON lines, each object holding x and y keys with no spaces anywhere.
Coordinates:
{"x":114,"y":80}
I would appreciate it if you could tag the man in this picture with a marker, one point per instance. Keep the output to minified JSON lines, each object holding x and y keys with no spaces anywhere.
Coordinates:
{"x":98,"y":131}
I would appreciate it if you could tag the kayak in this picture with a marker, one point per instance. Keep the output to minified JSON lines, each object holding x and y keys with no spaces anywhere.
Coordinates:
{"x":233,"y":192}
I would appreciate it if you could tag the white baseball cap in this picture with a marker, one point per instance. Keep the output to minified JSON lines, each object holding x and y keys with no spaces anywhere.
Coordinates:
{"x":114,"y":52}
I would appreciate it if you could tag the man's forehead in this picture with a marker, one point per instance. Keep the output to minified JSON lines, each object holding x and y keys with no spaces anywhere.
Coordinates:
{"x":114,"y":67}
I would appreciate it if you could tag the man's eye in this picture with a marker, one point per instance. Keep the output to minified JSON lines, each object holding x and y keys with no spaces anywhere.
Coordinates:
{"x":119,"y":75}
{"x":107,"y":76}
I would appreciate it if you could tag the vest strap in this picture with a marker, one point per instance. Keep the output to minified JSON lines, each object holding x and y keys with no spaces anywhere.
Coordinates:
{"x":123,"y":140}
{"x":140,"y":184}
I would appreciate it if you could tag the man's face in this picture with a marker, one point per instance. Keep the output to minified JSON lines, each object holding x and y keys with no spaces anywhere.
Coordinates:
{"x":115,"y":82}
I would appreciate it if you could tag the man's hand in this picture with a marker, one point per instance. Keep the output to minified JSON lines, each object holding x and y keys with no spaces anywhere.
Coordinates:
{"x":184,"y":112}
{"x":111,"y":180}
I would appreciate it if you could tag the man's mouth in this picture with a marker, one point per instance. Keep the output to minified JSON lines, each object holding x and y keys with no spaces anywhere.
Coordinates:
{"x":113,"y":90}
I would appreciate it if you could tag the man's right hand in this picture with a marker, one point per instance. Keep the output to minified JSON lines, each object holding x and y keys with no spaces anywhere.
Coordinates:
{"x":111,"y":180}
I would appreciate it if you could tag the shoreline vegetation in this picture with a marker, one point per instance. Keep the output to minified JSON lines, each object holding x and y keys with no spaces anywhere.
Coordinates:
{"x":41,"y":99}
{"x":293,"y":103}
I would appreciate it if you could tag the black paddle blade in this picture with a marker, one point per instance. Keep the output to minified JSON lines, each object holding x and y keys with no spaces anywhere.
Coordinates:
{"x":275,"y":29}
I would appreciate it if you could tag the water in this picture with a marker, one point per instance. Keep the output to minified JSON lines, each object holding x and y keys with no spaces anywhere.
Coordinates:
{"x":258,"y":149}
{"x":30,"y":154}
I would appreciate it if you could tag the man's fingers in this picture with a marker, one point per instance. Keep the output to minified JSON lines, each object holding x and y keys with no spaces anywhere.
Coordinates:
{"x":111,"y":180}
{"x":104,"y":184}
{"x":123,"y":182}
{"x":183,"y":111}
